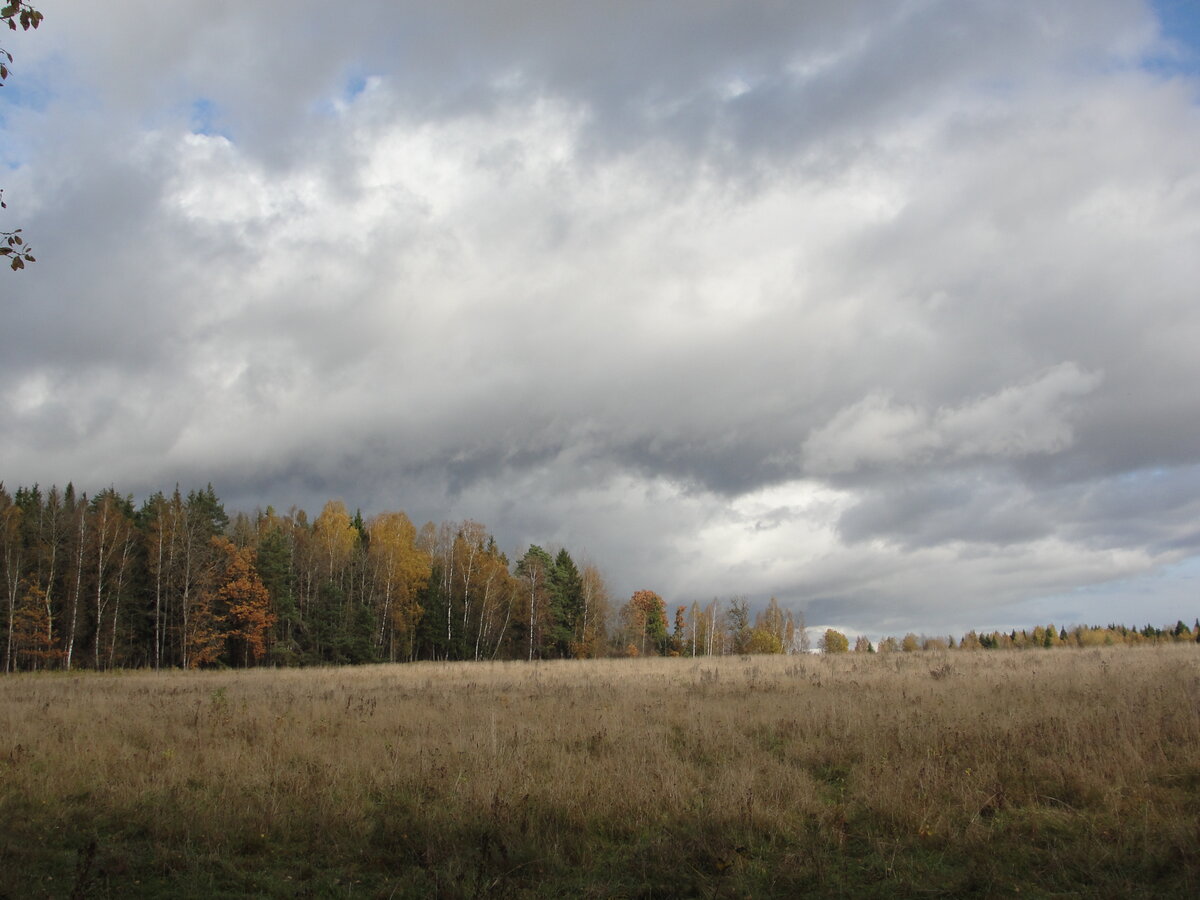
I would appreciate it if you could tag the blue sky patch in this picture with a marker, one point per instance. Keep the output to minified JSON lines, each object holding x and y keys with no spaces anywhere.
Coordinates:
{"x":1180,"y":20}
{"x":205,"y":118}
{"x":355,"y":85}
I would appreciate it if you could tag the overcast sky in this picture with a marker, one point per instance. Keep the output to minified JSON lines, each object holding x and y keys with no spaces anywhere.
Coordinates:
{"x":888,"y":310}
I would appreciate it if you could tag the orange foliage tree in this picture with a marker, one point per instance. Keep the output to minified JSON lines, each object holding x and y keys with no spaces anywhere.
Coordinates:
{"x":245,"y":600}
{"x":644,"y":617}
{"x":203,"y":634}
{"x":33,"y":638}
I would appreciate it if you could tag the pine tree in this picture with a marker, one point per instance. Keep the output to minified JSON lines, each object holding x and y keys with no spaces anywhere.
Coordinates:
{"x":566,"y":604}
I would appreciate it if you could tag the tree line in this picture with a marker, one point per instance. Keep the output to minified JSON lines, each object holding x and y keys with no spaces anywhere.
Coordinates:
{"x":1040,"y":637}
{"x":99,"y":582}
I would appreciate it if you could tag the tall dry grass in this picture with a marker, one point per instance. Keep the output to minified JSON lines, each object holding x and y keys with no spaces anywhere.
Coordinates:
{"x":964,"y":772}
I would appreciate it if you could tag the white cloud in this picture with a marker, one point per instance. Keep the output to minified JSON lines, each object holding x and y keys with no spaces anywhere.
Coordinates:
{"x":1020,"y":420}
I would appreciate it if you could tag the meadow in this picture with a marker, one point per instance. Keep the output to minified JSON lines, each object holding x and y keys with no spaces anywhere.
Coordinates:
{"x":1031,"y":773}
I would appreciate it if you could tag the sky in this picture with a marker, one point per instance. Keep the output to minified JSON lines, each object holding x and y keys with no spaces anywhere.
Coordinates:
{"x":886,"y":310}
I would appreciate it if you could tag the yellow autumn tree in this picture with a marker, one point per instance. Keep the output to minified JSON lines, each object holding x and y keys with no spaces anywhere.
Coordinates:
{"x":833,"y":641}
{"x":400,"y":570}
{"x":335,"y":536}
{"x":764,"y":641}
{"x":771,"y":633}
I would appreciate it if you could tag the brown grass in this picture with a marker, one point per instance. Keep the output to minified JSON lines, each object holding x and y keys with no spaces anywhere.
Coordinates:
{"x":901,"y":774}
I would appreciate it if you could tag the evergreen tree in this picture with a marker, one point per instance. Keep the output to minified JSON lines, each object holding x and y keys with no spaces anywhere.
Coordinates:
{"x":207,"y":511}
{"x":566,"y":605}
{"x":275,"y":570}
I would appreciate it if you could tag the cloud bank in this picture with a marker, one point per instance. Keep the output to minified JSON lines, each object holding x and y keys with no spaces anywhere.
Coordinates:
{"x":890,"y":313}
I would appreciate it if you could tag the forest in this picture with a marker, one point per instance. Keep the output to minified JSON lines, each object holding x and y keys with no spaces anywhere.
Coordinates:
{"x":176,"y":582}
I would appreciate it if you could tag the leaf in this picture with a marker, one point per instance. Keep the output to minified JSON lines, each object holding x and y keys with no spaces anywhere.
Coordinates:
{"x":17,"y":263}
{"x":5,"y":251}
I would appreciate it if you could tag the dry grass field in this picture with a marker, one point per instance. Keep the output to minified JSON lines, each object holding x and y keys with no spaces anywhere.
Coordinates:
{"x":1038,"y":773}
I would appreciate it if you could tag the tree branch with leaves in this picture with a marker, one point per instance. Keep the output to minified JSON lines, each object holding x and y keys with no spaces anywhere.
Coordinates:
{"x":14,"y":13}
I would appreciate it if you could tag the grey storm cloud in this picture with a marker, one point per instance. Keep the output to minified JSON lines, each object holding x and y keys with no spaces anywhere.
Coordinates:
{"x":886,"y":310}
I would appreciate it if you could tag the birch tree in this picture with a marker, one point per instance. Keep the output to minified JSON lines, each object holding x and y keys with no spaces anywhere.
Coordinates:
{"x":112,"y":537}
{"x":77,"y":545}
{"x":161,"y":523}
{"x":11,"y":546}
{"x":593,"y":630}
{"x":534,"y":572}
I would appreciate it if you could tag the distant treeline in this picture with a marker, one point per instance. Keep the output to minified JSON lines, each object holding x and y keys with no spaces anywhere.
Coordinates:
{"x":1041,"y":637}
